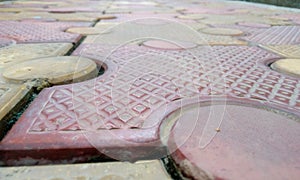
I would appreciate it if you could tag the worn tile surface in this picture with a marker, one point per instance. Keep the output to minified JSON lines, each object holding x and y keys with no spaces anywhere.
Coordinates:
{"x":246,"y":142}
{"x":289,"y":51}
{"x":10,"y":96}
{"x":21,"y":52}
{"x":55,"y":70}
{"x":147,"y":170}
{"x":287,"y":66}
{"x":222,"y":31}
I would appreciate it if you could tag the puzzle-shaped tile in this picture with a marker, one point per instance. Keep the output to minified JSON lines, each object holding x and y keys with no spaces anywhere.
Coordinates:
{"x":106,"y":171}
{"x":89,"y":30}
{"x":37,"y":32}
{"x":208,"y":39}
{"x":222,"y":31}
{"x":130,"y":98}
{"x":276,"y":35}
{"x":54,"y":70}
{"x":11,"y":97}
{"x":287,"y":66}
{"x":80,"y":17}
{"x":21,"y":52}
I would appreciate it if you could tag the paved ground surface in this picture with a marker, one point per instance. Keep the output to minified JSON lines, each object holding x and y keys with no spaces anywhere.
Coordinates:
{"x":202,"y":89}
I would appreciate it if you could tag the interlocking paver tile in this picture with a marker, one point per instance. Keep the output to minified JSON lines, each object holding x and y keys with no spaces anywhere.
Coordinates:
{"x":250,"y":142}
{"x":233,"y":19}
{"x":222,"y":31}
{"x":128,"y":17}
{"x":52,"y":3}
{"x":254,"y":25}
{"x":276,"y":35}
{"x":148,"y":27}
{"x":59,"y":16}
{"x":38,"y":32}
{"x":288,"y":66}
{"x":124,"y":98}
{"x":71,"y":9}
{"x":55,"y":70}
{"x":105,"y":25}
{"x":11,"y":96}
{"x":290,"y":51}
{"x":147,"y":170}
{"x":21,"y":52}
{"x":89,"y":30}
{"x":169,"y":45}
{"x":219,"y":40}
{"x":163,"y":62}
{"x":16,"y":10}
{"x":191,"y":16}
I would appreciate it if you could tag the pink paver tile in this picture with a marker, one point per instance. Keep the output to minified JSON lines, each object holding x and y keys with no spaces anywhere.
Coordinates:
{"x":121,"y":110}
{"x":248,"y":142}
{"x":38,"y":31}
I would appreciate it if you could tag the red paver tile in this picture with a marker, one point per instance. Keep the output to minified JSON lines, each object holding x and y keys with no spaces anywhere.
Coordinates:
{"x":121,"y":110}
{"x":236,"y":141}
{"x":38,"y":32}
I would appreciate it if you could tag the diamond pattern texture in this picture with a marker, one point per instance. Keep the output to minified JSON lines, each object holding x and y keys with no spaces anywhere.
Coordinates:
{"x":38,"y":32}
{"x":126,"y":97}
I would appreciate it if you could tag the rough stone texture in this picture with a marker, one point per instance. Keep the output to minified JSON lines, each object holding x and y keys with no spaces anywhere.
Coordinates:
{"x":55,"y":70}
{"x":147,"y":170}
{"x":244,"y":142}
